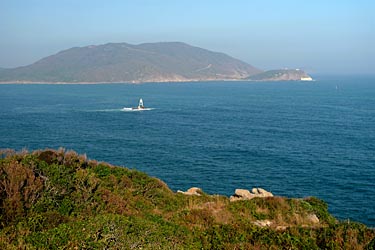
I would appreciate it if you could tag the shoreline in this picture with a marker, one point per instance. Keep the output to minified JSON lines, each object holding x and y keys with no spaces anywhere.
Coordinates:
{"x":144,"y":82}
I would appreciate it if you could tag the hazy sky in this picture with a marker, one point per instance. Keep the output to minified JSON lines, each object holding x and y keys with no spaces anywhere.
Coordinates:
{"x":320,"y":36}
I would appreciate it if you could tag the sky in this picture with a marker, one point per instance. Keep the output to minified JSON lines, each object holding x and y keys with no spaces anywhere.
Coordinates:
{"x":320,"y":36}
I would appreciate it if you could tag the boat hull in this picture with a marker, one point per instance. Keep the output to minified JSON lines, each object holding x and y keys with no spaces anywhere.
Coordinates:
{"x":135,"y":109}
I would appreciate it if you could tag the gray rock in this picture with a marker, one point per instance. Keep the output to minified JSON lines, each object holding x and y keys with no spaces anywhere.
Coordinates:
{"x":254,"y":191}
{"x":313,"y":218}
{"x":244,"y":194}
{"x":191,"y":191}
{"x":263,"y":223}
{"x":235,"y":198}
{"x":264,"y":193}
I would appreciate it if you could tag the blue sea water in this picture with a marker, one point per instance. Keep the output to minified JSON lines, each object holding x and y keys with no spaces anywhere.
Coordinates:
{"x":294,"y":139}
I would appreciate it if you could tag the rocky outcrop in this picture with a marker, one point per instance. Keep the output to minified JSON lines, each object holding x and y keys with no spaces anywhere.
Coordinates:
{"x":313,"y":218}
{"x":281,"y":75}
{"x":260,"y":192}
{"x":191,"y":191}
{"x":244,"y":194}
{"x":263,"y":223}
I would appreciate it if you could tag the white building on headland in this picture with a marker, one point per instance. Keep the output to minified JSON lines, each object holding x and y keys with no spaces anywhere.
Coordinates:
{"x":307,"y":78}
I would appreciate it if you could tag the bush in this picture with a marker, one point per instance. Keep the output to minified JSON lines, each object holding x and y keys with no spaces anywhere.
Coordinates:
{"x":59,"y":200}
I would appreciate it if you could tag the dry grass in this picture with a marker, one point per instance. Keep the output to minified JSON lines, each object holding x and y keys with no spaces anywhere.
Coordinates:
{"x":50,"y":194}
{"x":19,"y":187}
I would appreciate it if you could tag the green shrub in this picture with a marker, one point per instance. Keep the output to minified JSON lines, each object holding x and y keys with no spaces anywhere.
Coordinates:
{"x":59,"y":200}
{"x":320,"y":208}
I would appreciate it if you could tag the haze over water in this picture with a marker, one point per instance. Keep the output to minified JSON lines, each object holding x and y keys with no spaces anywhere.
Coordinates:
{"x":294,"y":139}
{"x":330,"y":37}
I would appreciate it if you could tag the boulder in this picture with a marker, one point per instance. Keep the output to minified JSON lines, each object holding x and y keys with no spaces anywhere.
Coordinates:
{"x":264,"y":193}
{"x":254,"y":190}
{"x":244,"y":194}
{"x":263,"y":223}
{"x":235,"y":198}
{"x":313,"y":218}
{"x":191,"y":191}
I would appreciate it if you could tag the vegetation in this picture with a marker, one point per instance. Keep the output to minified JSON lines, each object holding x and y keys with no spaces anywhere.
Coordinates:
{"x":60,"y":200}
{"x":279,"y":75}
{"x":122,"y":62}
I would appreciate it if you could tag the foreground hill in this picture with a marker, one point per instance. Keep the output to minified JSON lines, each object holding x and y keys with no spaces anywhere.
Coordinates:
{"x":60,"y":200}
{"x":122,"y":62}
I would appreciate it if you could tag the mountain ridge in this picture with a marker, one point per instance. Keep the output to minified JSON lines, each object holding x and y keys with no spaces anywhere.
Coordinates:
{"x":123,"y":62}
{"x":145,"y":62}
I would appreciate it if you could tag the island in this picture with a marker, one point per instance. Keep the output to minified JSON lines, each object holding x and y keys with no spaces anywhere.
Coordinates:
{"x":148,"y":62}
{"x":58,"y":199}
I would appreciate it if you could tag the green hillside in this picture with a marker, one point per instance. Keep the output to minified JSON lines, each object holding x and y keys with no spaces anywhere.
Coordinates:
{"x":279,"y":75}
{"x":61,"y":200}
{"x":122,"y":62}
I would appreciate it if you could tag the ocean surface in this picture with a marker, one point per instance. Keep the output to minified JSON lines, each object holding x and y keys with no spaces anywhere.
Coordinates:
{"x":294,"y":139}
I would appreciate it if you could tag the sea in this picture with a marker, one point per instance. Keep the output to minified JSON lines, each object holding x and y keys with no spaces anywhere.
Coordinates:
{"x":294,"y":139}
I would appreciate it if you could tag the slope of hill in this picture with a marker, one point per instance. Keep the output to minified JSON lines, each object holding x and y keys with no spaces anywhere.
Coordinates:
{"x":60,"y":200}
{"x":281,"y":75}
{"x":122,"y":62}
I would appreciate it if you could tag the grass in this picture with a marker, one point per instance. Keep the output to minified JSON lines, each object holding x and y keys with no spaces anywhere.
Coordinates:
{"x":57,"y":199}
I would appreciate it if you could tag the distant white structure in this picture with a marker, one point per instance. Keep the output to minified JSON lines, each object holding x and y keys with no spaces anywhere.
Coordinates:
{"x":308,"y":78}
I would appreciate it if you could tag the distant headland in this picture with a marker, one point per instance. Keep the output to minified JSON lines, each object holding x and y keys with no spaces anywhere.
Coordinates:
{"x":148,"y":62}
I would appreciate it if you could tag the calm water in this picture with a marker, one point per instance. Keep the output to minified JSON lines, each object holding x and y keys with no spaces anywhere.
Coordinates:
{"x":293,"y":139}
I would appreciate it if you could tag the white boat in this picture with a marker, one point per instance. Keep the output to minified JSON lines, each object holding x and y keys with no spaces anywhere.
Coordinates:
{"x":140,"y":107}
